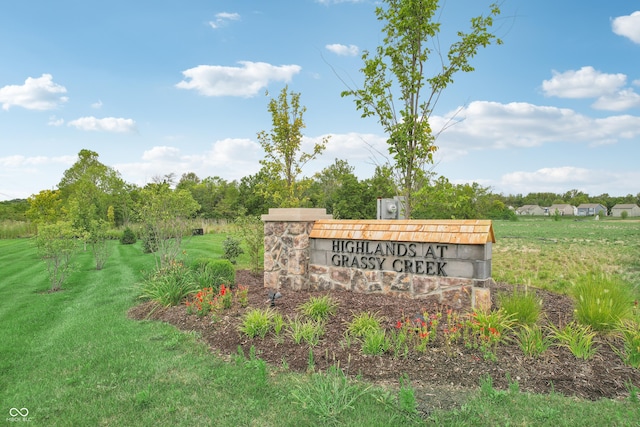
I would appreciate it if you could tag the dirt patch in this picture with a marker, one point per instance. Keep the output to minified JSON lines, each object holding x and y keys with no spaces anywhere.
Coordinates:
{"x":442,"y":379}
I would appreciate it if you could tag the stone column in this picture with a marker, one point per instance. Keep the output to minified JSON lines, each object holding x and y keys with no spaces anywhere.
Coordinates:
{"x":286,"y":246}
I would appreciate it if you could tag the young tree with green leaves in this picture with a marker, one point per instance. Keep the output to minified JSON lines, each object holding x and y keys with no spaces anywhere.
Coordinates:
{"x":57,"y":246}
{"x":167,"y":215}
{"x":46,"y":207}
{"x":398,"y":92}
{"x":251,"y":231}
{"x":284,"y":158}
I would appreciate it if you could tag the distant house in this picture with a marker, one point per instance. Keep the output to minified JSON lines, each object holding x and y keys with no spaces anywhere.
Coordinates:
{"x":591,"y":209}
{"x":530,"y":210}
{"x":630,"y":208}
{"x":562,"y":209}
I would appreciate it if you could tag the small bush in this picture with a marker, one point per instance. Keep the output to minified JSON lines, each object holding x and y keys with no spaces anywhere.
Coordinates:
{"x":601,"y":301}
{"x":319,"y":308}
{"x":232,"y":249}
{"x":128,"y":237}
{"x":149,"y":240}
{"x":210,"y":272}
{"x":523,"y":306}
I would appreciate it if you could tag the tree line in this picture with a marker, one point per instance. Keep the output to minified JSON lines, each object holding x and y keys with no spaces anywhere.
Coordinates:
{"x":91,"y":190}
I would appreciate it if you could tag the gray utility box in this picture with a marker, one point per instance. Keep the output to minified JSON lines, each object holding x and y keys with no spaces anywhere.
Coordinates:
{"x":390,"y":208}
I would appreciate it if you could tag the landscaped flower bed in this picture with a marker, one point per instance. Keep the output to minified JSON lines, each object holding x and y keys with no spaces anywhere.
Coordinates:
{"x":433,"y":345}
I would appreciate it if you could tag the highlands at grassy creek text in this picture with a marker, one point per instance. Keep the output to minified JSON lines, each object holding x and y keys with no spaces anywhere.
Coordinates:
{"x":406,"y":258}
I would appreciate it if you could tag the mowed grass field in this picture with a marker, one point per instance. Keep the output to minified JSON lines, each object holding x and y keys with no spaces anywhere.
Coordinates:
{"x":553,"y":254}
{"x":74,"y":358}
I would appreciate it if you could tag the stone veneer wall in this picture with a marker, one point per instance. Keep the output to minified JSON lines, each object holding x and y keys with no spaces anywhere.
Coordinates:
{"x":293,"y":261}
{"x":286,"y":247}
{"x":468,"y":270}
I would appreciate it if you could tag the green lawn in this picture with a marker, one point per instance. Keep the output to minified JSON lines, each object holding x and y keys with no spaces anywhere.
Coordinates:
{"x":553,"y":254}
{"x":74,"y":358}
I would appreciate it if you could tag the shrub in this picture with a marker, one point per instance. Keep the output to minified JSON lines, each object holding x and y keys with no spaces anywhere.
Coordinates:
{"x":319,"y":308}
{"x":524,"y":307}
{"x":222,"y":272}
{"x":149,"y":240}
{"x":232,"y":249}
{"x":169,"y":285}
{"x":602,"y":301}
{"x":128,"y":237}
{"x":213,"y":272}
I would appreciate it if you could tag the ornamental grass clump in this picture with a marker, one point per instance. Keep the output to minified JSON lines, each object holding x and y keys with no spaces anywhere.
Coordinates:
{"x":577,"y":337}
{"x":308,"y":330}
{"x":629,"y":332}
{"x":524,"y":306}
{"x":375,"y":342}
{"x":602,"y":301}
{"x":169,"y":285}
{"x":257,"y":322}
{"x":363,"y":323}
{"x":532,"y":341}
{"x":319,"y":308}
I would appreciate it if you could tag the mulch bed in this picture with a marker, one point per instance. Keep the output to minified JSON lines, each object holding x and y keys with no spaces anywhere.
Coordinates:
{"x":442,"y":379}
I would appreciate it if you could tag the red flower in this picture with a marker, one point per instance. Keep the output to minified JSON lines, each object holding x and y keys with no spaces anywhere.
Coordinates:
{"x":399,"y":324}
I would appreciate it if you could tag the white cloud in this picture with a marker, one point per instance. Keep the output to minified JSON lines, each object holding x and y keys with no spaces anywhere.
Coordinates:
{"x":589,"y":83}
{"x":343,"y":50}
{"x":97,"y":105}
{"x":18,"y":161}
{"x":619,"y":101}
{"x":231,"y":159}
{"x":627,"y":26}
{"x":35,"y":94}
{"x":245,"y":81}
{"x":54,"y":121}
{"x":107,"y":124}
{"x":161,"y":153}
{"x":484,"y":125}
{"x":584,"y":83}
{"x":223,"y":18}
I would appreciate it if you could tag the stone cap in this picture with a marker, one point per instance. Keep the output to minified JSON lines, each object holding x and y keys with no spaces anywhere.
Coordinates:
{"x":470,"y":232}
{"x":296,"y":214}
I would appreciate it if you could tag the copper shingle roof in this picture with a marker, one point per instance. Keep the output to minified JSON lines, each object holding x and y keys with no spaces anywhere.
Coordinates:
{"x":470,"y":232}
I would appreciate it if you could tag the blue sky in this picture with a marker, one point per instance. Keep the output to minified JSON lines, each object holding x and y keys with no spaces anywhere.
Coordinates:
{"x":168,"y":86}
